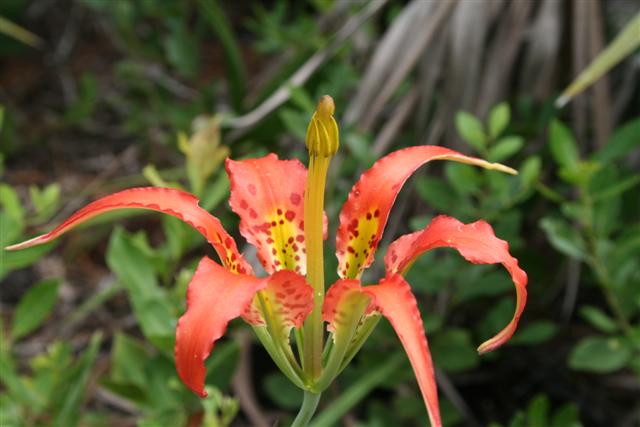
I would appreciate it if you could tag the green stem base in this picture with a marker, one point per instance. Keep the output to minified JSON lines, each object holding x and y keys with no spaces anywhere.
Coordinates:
{"x":309,"y":406}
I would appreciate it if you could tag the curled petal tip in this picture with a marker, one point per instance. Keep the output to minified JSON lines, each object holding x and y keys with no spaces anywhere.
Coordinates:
{"x":27,"y":243}
{"x":505,"y":169}
{"x":484,"y":348}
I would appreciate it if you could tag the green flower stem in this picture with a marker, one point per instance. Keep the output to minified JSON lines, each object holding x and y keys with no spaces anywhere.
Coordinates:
{"x":357,"y":391}
{"x":277,"y":356}
{"x":309,"y":406}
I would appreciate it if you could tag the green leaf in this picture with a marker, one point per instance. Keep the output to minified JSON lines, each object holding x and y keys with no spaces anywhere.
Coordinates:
{"x":437,"y":193}
{"x":19,"y":33}
{"x":600,"y":355}
{"x":464,"y":179}
{"x":563,"y":237}
{"x":538,"y":411}
{"x":234,"y":65}
{"x":128,"y":361}
{"x":505,"y":148}
{"x":489,"y":284}
{"x":182,"y":50}
{"x":471,"y":130}
{"x":16,"y":386}
{"x":566,"y":416}
{"x":534,"y":333}
{"x":598,"y":319}
{"x":529,"y":172}
{"x":563,"y":145}
{"x":87,"y":99}
{"x":294,"y":122}
{"x":150,"y":303}
{"x":617,"y":187}
{"x":282,"y":391}
{"x":622,"y":46}
{"x":45,"y":201}
{"x":11,"y":203}
{"x":454,"y":351}
{"x":624,"y":140}
{"x":13,"y":260}
{"x":34,"y":307}
{"x":499,"y":117}
{"x":72,"y":398}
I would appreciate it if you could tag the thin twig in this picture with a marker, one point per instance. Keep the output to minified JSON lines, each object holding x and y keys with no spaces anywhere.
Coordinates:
{"x":244,"y":123}
{"x":242,"y":384}
{"x":450,"y":391}
{"x":571,"y":290}
{"x":394,"y":125}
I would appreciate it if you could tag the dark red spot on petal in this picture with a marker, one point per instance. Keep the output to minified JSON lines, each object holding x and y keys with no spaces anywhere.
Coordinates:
{"x":290,"y":215}
{"x":295,"y":198}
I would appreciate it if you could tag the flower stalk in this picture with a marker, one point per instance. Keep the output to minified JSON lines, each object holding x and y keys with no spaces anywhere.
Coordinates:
{"x":322,"y":142}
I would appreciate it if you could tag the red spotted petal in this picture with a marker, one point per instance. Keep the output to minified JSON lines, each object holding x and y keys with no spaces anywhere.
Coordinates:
{"x":215,"y":296}
{"x":335,"y":299}
{"x":174,"y":202}
{"x":364,"y":215}
{"x":393,"y":298}
{"x":477,"y":243}
{"x":268,"y":195}
{"x":287,"y":299}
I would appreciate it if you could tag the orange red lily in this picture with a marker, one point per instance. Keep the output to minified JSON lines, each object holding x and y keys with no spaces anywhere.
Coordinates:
{"x":270,"y":196}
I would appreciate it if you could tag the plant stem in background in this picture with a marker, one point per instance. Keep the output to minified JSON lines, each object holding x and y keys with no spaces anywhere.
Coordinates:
{"x":599,"y":267}
{"x":623,"y":45}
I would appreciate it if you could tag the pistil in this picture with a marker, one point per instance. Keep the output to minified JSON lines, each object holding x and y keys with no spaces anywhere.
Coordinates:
{"x":322,"y":142}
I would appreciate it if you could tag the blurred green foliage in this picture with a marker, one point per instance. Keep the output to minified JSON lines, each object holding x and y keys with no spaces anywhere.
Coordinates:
{"x":567,"y":210}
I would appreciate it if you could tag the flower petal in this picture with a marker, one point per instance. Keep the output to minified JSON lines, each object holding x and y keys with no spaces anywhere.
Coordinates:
{"x":336,"y":302}
{"x":268,"y":195}
{"x":345,"y":310}
{"x":394,"y":299}
{"x":286,"y":300}
{"x":215,"y":296}
{"x":174,"y":202}
{"x":364,"y":215}
{"x":477,"y":243}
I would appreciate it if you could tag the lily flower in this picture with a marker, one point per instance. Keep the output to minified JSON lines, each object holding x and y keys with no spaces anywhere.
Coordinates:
{"x":280,"y":205}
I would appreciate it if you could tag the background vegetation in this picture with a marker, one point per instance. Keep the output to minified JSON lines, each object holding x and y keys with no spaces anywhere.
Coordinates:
{"x":103,"y":95}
